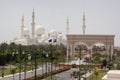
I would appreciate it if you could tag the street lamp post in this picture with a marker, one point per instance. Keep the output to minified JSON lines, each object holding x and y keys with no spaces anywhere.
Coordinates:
{"x":51,"y":65}
{"x":29,"y":58}
{"x":46,"y":57}
{"x":24,"y":65}
{"x":13,"y":70}
{"x":35,"y":57}
{"x":52,"y":57}
{"x":78,"y":50}
{"x":20,"y":52}
{"x":42,"y":58}
{"x":46,"y":62}
{"x":79,"y":63}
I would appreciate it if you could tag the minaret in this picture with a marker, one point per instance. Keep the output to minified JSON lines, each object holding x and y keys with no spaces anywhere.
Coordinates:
{"x":83,"y":26}
{"x":67,"y":32}
{"x":33,"y":24}
{"x":22,"y":25}
{"x":67,"y":25}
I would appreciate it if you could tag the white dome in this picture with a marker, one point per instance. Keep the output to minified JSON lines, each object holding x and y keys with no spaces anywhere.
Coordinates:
{"x":25,"y":29}
{"x":53,"y":33}
{"x":26,"y":32}
{"x":44,"y":37}
{"x":40,"y":30}
{"x":39,"y":27}
{"x":60,"y":36}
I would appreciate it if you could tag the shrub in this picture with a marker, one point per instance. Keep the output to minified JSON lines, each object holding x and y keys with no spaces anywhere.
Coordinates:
{"x":118,"y":66}
{"x":73,"y":65}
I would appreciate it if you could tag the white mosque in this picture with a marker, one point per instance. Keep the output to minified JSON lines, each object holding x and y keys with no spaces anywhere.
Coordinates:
{"x":37,"y":35}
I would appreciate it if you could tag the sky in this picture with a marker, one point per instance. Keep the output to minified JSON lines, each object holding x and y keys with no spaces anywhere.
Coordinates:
{"x":102,"y":16}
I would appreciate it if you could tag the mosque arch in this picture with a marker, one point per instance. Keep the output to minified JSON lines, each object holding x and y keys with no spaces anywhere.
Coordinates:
{"x":98,"y":43}
{"x":98,"y":47}
{"x":81,"y":48}
{"x":81,"y":43}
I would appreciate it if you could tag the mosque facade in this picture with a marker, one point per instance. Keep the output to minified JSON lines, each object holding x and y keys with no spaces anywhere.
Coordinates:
{"x":37,"y":35}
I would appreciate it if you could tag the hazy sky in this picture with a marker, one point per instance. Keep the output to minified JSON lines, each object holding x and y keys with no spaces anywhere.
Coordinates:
{"x":102,"y":16}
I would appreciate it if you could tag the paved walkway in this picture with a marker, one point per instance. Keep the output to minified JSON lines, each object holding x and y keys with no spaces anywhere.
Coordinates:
{"x":66,"y":75}
{"x":16,"y":76}
{"x":62,"y":76}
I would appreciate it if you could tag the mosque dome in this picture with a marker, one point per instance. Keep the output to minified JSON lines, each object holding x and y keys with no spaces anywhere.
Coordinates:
{"x":40,"y":30}
{"x":25,"y":29}
{"x":26,"y":32}
{"x":44,"y":37}
{"x":60,"y":36}
{"x":53,"y":33}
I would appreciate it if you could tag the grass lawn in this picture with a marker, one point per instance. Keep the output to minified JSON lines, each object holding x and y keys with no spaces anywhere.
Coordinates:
{"x":8,"y":71}
{"x":99,"y":77}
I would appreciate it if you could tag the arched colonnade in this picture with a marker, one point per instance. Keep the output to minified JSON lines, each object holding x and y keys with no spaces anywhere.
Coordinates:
{"x":89,"y":40}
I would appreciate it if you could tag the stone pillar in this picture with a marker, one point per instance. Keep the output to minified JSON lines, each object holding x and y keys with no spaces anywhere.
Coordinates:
{"x":72,"y":51}
{"x":68,"y":52}
{"x":90,"y":52}
{"x":107,"y":51}
{"x":112,"y":50}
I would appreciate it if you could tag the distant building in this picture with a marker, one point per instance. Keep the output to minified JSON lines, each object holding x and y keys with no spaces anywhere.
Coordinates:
{"x":38,"y":35}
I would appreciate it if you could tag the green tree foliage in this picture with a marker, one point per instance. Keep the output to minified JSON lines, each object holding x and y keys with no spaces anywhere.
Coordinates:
{"x":2,"y":59}
{"x":7,"y":50}
{"x":104,"y":62}
{"x":96,"y":58}
{"x":118,"y":66}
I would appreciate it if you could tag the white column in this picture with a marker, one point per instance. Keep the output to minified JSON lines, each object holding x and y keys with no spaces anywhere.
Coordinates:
{"x":68,"y":52}
{"x":90,"y":51}
{"x":111,"y":52}
{"x":71,"y":51}
{"x":33,"y":24}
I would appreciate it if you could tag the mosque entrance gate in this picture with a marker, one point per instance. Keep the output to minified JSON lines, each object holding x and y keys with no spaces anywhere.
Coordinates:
{"x":89,"y":41}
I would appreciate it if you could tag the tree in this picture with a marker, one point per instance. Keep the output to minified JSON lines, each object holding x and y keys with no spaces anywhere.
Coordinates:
{"x":96,"y":58}
{"x":3,"y":49}
{"x":104,"y":56}
{"x":2,"y":60}
{"x":104,"y":63}
{"x":118,"y":66}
